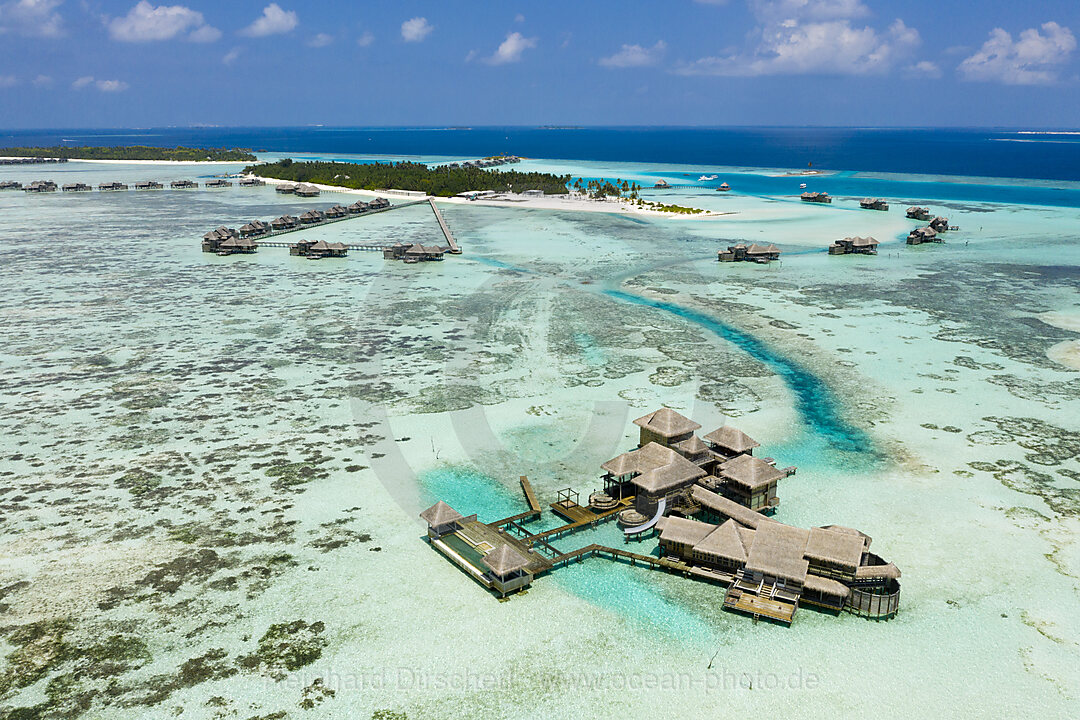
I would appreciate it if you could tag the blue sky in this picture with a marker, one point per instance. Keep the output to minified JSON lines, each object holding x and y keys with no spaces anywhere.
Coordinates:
{"x":107,"y":63}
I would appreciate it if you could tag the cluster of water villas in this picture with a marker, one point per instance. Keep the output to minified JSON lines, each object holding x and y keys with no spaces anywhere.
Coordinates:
{"x":873,"y":204}
{"x":227,"y":241}
{"x":749,"y":253}
{"x":40,"y":186}
{"x":414,"y":252}
{"x":931,"y":233}
{"x":10,"y":185}
{"x":854,"y":245}
{"x":816,"y":197}
{"x":111,"y":187}
{"x":315,"y":250}
{"x":710,"y":499}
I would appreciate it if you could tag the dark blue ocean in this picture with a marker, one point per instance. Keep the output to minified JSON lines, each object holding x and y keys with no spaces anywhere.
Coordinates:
{"x":989,"y":153}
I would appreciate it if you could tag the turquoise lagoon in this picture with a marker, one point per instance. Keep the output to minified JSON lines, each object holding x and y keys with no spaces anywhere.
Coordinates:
{"x":199,"y":448}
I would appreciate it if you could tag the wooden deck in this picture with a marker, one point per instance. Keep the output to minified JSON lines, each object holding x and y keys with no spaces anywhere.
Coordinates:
{"x":758,"y":606}
{"x":450,"y":241}
{"x":488,"y":537}
{"x":579,"y":517}
{"x":530,"y":496}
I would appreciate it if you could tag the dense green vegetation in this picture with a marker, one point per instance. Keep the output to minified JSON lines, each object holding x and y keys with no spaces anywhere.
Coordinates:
{"x":602,"y":189}
{"x":133,"y":152}
{"x":440,"y":181}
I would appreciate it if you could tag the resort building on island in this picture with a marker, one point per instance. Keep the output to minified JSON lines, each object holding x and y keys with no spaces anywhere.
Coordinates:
{"x":816,"y":197}
{"x":919,"y":213}
{"x":856,"y":245}
{"x":183,"y":184}
{"x":749,"y":253}
{"x":927,"y":234}
{"x":873,"y":204}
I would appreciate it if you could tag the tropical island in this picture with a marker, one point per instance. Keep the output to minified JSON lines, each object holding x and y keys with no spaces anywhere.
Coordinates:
{"x":442,"y":181}
{"x":133,"y":152}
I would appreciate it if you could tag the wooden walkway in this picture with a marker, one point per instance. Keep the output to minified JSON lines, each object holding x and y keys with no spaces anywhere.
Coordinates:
{"x":585,"y":518}
{"x":454,"y":249}
{"x":261,"y":239}
{"x":530,"y":496}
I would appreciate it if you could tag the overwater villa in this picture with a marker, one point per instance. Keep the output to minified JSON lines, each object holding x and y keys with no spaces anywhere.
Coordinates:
{"x":149,"y":185}
{"x":873,"y":204}
{"x":10,"y":185}
{"x":379,"y":203}
{"x":927,"y":234}
{"x":76,"y":187}
{"x":236,"y":245}
{"x":183,"y":184}
{"x":212,"y":240}
{"x":286,"y":188}
{"x":312,"y":217}
{"x":709,"y":501}
{"x":854,"y":245}
{"x":255,"y":228}
{"x":111,"y":187}
{"x":749,"y":253}
{"x":252,"y":182}
{"x":940,"y":224}
{"x":413,"y":252}
{"x":42,"y":186}
{"x":358,"y":207}
{"x":918,"y":213}
{"x":724,"y":187}
{"x":306,"y":190}
{"x":285,"y":222}
{"x":217,"y":183}
{"x":661,"y":185}
{"x":816,"y":197}
{"x":318,"y":249}
{"x":337,"y":211}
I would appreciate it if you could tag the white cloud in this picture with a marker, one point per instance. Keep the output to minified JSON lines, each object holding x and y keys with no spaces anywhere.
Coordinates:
{"x":273,"y":21}
{"x":146,"y":23}
{"x":510,"y":49}
{"x":43,"y":81}
{"x":812,"y":36}
{"x":366,"y":39}
{"x":519,"y":18}
{"x":108,"y":86}
{"x":416,"y":29}
{"x":635,"y":56}
{"x":923,"y":69}
{"x":1032,"y":59}
{"x":320,"y":40}
{"x":111,"y":85}
{"x":7,"y":81}
{"x":32,"y":18}
{"x":231,"y":56}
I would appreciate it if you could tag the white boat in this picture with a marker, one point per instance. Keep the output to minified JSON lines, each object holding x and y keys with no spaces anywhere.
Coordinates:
{"x":802,"y":186}
{"x":703,"y":178}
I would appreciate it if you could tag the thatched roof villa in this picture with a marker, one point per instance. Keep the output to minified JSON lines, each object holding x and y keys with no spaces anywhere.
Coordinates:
{"x":286,"y":188}
{"x":918,"y":213}
{"x":816,"y":197}
{"x":252,"y":182}
{"x":183,"y":184}
{"x":306,"y":190}
{"x":749,"y":253}
{"x":337,"y":211}
{"x":312,"y":217}
{"x":285,"y":222}
{"x":149,"y":185}
{"x":856,"y":245}
{"x":873,"y":204}
{"x":217,"y":183}
{"x":76,"y":187}
{"x":358,"y":207}
{"x":927,"y":234}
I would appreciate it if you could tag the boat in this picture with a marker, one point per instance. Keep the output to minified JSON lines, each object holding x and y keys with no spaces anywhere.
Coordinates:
{"x":703,"y":178}
{"x":802,"y":186}
{"x":724,"y":187}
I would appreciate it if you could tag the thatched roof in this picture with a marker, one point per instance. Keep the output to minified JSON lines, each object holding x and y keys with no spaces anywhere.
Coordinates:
{"x":777,"y":551}
{"x":690,"y":446}
{"x":826,"y":586}
{"x":863,"y":241}
{"x":730,"y":438}
{"x":679,"y":472}
{"x":440,"y":514}
{"x":504,"y":560}
{"x":887,"y":571}
{"x":685,"y":531}
{"x":667,"y":423}
{"x":756,"y":249}
{"x":834,"y":547}
{"x":727,"y":542}
{"x":850,"y":531}
{"x":749,"y":472}
{"x":729,"y":508}
{"x":622,"y":465}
